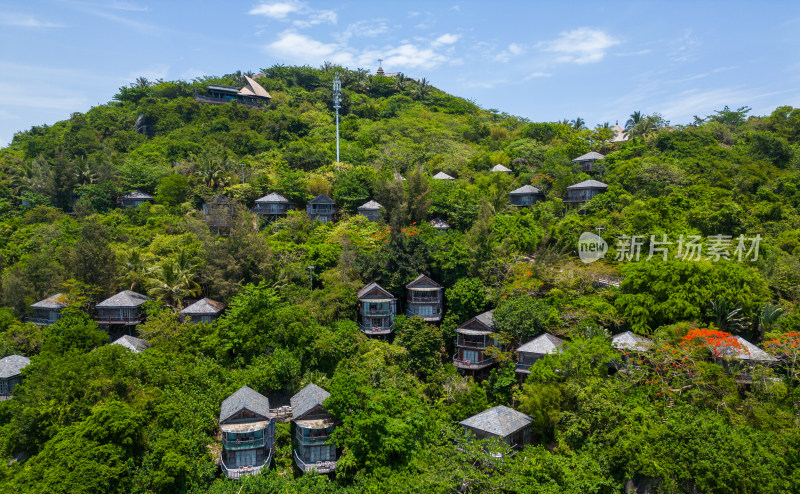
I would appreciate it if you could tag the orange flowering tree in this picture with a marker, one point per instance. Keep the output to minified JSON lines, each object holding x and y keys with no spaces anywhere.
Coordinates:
{"x":787,"y":347}
{"x":718,"y":343}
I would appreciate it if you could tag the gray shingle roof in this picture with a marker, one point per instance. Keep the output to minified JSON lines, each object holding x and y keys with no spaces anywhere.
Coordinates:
{"x":12,"y":365}
{"x":369,"y":287}
{"x":630,"y":341}
{"x":125,"y":298}
{"x":132,"y":343}
{"x":219,"y":200}
{"x":322,"y":199}
{"x":423,"y":281}
{"x":500,"y":421}
{"x":137,"y":194}
{"x":204,"y":306}
{"x":543,"y":344}
{"x":442,"y":176}
{"x":589,"y":184}
{"x":370,"y":206}
{"x":272,"y":197}
{"x":244,"y":398}
{"x":57,"y":301}
{"x":500,"y":168}
{"x":590,"y":156}
{"x":485,"y":320}
{"x":440,"y":224}
{"x":306,"y":399}
{"x":748,"y":351}
{"x":526,"y":189}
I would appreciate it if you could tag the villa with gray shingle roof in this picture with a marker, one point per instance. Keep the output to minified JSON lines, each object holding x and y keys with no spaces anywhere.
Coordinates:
{"x":424,"y":299}
{"x":218,"y":212}
{"x":498,"y":168}
{"x":272,"y":205}
{"x":527,"y":195}
{"x":587,"y":160}
{"x":377,"y":309}
{"x":313,"y":429}
{"x":134,"y":199}
{"x":583,"y":192}
{"x":442,"y":176}
{"x":511,"y":426}
{"x":248,"y":433}
{"x":537,"y":348}
{"x":440,"y":225}
{"x":370,"y":210}
{"x":124,"y":308}
{"x":204,"y":310}
{"x":132,"y":343}
{"x":321,"y":208}
{"x":472,"y":339}
{"x":746,"y":352}
{"x":628,"y":341}
{"x":252,"y":95}
{"x":11,"y":374}
{"x":48,"y":311}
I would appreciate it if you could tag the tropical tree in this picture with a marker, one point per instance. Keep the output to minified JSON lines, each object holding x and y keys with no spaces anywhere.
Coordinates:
{"x":633,"y":120}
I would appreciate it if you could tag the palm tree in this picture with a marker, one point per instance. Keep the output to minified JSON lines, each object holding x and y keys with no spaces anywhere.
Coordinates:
{"x":634,"y":119}
{"x":422,"y":90}
{"x":142,"y":82}
{"x":578,"y":124}
{"x":173,"y":282}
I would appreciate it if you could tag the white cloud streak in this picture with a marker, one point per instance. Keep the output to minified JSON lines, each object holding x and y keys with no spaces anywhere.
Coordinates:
{"x":581,"y":46}
{"x":25,"y":20}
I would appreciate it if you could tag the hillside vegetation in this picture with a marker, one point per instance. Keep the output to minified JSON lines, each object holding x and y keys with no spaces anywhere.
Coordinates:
{"x":96,"y":418}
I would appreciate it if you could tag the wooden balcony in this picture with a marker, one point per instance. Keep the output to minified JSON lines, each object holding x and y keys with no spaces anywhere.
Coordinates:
{"x":239,"y":444}
{"x":41,"y":321}
{"x":239,"y":471}
{"x":376,"y":330}
{"x":471,"y":365}
{"x":320,"y":466}
{"x":123,"y":320}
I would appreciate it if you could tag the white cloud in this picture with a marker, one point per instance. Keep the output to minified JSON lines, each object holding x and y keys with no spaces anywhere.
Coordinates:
{"x":297,"y":46}
{"x":277,"y":10}
{"x":365,"y":29}
{"x":283,"y":10}
{"x":24,"y":20}
{"x":513,"y":50}
{"x":294,"y":47}
{"x":446,"y":39}
{"x":536,"y":75}
{"x":581,"y":45}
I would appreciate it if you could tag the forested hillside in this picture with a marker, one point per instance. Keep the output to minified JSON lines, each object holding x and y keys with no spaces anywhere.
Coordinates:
{"x":96,"y":418}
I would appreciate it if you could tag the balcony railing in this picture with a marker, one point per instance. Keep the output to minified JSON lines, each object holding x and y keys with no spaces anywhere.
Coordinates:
{"x":471,"y":364}
{"x":376,"y":330}
{"x":41,"y":321}
{"x":411,"y":312}
{"x":237,"y":472}
{"x":109,"y":319}
{"x":476,"y":343}
{"x":312,"y":440}
{"x":319,"y":466}
{"x":222,"y":101}
{"x":270,"y":209}
{"x":414,"y":298}
{"x":377,"y":312}
{"x":522,"y":367}
{"x":237,"y":444}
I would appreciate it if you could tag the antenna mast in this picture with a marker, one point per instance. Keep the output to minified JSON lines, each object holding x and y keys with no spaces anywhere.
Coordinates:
{"x":337,"y":103}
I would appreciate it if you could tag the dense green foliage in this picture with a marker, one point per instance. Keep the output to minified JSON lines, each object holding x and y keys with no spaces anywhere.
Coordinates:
{"x":96,"y":418}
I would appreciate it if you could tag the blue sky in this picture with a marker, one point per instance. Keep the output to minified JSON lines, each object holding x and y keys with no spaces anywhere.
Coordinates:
{"x":542,"y":60}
